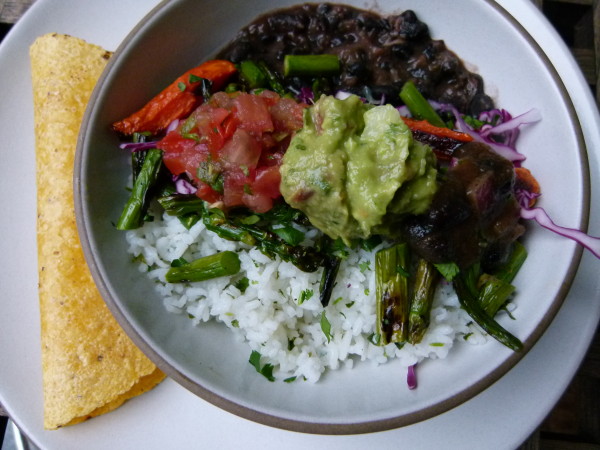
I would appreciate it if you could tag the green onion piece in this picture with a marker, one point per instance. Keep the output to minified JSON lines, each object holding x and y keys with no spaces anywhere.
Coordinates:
{"x":509,"y":270}
{"x":253,"y":75}
{"x":133,"y":213}
{"x":181,"y":204}
{"x":469,"y":300}
{"x":330,"y":271}
{"x":289,"y":234}
{"x":392,"y":294}
{"x":189,"y":220}
{"x":419,"y":107}
{"x":187,"y":207}
{"x":273,"y":80}
{"x":310,"y":65}
{"x":218,"y":265}
{"x":420,"y":310}
{"x":493,"y":293}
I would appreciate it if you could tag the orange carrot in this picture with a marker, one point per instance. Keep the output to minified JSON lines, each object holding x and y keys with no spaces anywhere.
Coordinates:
{"x":426,"y":127}
{"x":177,"y":100}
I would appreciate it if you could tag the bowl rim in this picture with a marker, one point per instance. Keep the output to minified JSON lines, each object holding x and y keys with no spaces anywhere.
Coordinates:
{"x":246,"y":412}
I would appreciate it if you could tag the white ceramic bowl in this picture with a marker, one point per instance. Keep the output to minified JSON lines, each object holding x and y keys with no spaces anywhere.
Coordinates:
{"x":207,"y":359}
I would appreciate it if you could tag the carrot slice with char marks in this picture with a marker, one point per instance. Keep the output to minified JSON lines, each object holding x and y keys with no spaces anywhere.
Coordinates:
{"x":177,"y":100}
{"x":426,"y":127}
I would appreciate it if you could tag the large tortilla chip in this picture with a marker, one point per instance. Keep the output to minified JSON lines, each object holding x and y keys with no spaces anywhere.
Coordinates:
{"x":89,"y":365}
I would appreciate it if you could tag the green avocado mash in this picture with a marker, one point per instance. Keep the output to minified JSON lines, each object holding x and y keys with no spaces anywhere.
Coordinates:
{"x":353,"y":163}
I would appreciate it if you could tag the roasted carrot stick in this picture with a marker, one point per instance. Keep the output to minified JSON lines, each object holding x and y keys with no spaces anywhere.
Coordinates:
{"x":426,"y":127}
{"x":177,"y":100}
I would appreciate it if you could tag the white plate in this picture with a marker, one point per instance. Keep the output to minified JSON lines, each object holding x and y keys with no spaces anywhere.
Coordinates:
{"x":171,"y":417}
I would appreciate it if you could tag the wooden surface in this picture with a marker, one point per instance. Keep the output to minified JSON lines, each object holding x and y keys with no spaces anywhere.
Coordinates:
{"x":575,"y":421}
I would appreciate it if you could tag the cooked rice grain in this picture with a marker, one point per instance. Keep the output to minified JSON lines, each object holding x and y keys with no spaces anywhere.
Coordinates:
{"x":268,"y":314}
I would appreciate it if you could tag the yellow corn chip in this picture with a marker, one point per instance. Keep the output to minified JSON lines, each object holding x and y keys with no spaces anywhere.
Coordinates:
{"x":89,"y":365}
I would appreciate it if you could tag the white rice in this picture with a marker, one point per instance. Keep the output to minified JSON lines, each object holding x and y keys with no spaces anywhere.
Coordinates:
{"x":268,"y":316}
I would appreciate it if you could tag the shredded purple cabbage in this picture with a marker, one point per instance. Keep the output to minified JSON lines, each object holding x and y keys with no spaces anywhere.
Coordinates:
{"x":403,"y":110}
{"x":306,"y":95}
{"x":501,"y":136}
{"x":543,"y":219}
{"x":411,"y":377}
{"x":183,"y":186}
{"x":172,"y":126}
{"x":138,"y":146}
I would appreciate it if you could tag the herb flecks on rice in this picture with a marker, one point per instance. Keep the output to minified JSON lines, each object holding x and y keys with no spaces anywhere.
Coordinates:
{"x":265,"y":312}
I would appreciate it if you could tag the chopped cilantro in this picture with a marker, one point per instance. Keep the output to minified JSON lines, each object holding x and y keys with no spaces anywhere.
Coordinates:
{"x":339,"y":249}
{"x":473,"y":122}
{"x":448,"y":270}
{"x":250,"y":220}
{"x":370,"y":243}
{"x":326,"y":327}
{"x":181,"y":85}
{"x":266,"y":370}
{"x":192,"y":136}
{"x":178,"y":262}
{"x":290,"y":379}
{"x":188,"y":125}
{"x":194,"y":78}
{"x":364,"y":266}
{"x":235,"y":323}
{"x":349,"y":305}
{"x":289,"y":234}
{"x":306,"y":294}
{"x":139,"y":259}
{"x":209,"y":173}
{"x":375,"y":338}
{"x":337,"y":300}
{"x":242,"y":284}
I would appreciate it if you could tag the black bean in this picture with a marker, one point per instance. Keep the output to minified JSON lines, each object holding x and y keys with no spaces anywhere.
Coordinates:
{"x":373,"y":50}
{"x":411,"y":27}
{"x":402,"y":50}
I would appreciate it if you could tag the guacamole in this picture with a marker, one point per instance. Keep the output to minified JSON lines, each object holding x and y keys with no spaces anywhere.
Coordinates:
{"x":353,"y":163}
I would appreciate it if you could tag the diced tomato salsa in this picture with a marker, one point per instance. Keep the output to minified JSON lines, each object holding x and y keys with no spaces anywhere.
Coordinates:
{"x":231,"y":147}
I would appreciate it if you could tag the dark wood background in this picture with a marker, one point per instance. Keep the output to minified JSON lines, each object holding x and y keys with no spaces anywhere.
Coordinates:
{"x":574,"y":423}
